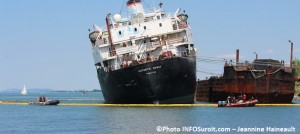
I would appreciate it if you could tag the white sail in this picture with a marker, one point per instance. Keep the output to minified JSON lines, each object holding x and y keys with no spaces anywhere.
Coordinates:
{"x":24,"y":91}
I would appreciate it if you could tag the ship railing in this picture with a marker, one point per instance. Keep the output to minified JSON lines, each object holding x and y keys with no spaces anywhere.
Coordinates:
{"x":148,"y":17}
{"x":183,"y":53}
{"x":152,"y":44}
{"x":242,"y":64}
{"x":252,"y":65}
{"x":182,"y":25}
{"x":124,"y":50}
{"x":144,"y":47}
{"x":156,"y":43}
{"x":176,"y":40}
{"x":164,"y":16}
{"x":148,"y":47}
{"x":101,"y":41}
{"x":287,"y":65}
{"x":167,"y":16}
{"x":110,"y":68}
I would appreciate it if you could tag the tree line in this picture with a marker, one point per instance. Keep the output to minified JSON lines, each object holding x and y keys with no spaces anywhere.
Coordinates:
{"x":297,"y":66}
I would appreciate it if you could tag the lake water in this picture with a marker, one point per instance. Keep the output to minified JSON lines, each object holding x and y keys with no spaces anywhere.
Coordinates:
{"x":24,"y":119}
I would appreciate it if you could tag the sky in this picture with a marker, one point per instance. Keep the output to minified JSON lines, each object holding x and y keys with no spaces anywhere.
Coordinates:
{"x":44,"y":43}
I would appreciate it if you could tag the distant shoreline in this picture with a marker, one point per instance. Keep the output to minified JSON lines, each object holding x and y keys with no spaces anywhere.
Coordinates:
{"x":77,"y":90}
{"x":37,"y":90}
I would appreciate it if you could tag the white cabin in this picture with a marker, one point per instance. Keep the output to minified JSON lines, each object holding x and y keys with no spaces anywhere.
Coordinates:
{"x":140,"y":37}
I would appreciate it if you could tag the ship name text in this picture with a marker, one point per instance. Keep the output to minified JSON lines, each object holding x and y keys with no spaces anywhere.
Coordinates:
{"x":149,"y":69}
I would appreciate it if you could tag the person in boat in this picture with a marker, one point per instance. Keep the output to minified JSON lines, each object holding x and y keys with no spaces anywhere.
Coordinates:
{"x":244,"y":97}
{"x":234,"y":99}
{"x":228,"y":100}
{"x":239,"y":97}
{"x":44,"y":99}
{"x":40,"y":99}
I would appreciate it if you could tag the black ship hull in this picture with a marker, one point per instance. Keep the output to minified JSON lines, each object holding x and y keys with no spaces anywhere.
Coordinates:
{"x":171,"y":80}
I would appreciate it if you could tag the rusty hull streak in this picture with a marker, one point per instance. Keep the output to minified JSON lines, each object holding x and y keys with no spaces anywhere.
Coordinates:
{"x":269,"y":81}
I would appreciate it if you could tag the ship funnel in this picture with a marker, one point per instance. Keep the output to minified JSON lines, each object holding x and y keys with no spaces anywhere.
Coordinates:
{"x":237,"y":56}
{"x":256,"y":55}
{"x":135,"y":7}
{"x":292,"y":47}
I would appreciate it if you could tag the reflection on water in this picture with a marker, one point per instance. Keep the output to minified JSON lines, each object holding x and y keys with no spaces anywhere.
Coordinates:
{"x":146,"y":118}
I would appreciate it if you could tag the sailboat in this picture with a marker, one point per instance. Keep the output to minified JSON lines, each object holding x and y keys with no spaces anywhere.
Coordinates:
{"x":24,"y":91}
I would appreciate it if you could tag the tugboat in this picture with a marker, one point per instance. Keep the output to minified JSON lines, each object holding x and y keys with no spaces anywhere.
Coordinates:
{"x":145,"y":57}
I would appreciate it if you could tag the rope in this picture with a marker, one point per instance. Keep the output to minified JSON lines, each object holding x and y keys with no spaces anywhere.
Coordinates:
{"x":122,"y":6}
{"x":209,"y":73}
{"x":275,"y":71}
{"x":256,"y":77}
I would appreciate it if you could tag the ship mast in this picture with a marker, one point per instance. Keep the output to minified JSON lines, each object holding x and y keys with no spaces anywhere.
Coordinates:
{"x":108,"y":25}
{"x":256,"y":55}
{"x":292,"y":47}
{"x":237,"y":56}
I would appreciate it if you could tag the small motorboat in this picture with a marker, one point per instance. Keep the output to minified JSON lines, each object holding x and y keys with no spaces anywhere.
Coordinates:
{"x":42,"y":101}
{"x":48,"y":102}
{"x":241,"y":103}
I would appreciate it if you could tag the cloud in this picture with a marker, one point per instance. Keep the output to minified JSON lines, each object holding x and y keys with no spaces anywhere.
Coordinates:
{"x":270,"y":51}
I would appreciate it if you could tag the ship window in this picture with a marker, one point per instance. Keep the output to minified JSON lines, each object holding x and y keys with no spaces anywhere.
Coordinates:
{"x":120,"y":32}
{"x":145,"y":27}
{"x":135,"y":29}
{"x":160,"y":24}
{"x":123,"y":45}
{"x":158,"y":17}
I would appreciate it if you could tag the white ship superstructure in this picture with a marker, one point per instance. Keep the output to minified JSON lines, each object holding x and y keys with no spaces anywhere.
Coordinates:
{"x":140,"y":37}
{"x":145,"y":57}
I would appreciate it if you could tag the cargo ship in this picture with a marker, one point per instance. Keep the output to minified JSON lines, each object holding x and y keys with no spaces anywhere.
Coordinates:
{"x":267,"y":80}
{"x":145,"y":57}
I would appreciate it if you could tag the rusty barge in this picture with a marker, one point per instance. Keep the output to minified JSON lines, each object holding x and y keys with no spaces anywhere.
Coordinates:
{"x":267,"y":80}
